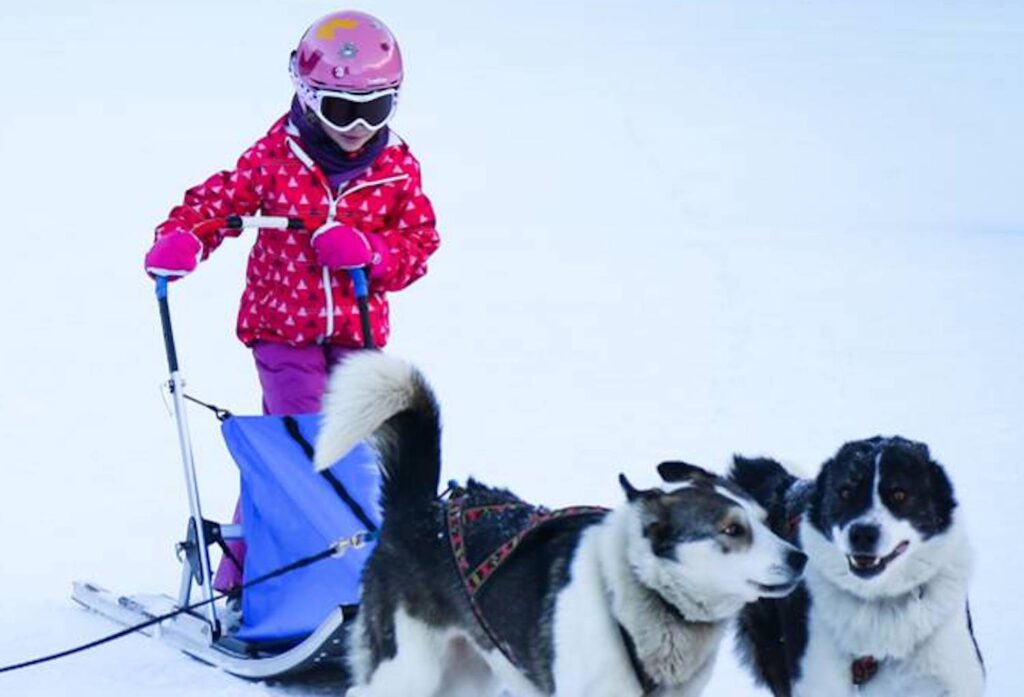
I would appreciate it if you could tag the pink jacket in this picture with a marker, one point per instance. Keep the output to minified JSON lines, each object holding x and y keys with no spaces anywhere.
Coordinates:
{"x":289,"y":298}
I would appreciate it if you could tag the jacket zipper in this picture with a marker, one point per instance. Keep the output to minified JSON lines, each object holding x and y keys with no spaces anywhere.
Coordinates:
{"x":332,"y":203}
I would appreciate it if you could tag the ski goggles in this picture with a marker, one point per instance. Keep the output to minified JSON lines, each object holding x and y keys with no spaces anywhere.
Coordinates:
{"x":343,"y":111}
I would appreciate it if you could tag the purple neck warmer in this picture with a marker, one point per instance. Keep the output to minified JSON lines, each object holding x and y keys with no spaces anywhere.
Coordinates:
{"x":338,"y":165}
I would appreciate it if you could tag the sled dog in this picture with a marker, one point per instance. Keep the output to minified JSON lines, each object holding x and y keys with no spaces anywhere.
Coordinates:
{"x":882,"y":609}
{"x":478,"y":591}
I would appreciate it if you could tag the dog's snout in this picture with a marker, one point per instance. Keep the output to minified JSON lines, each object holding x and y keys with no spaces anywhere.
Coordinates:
{"x":864,"y":538}
{"x":797,"y":560}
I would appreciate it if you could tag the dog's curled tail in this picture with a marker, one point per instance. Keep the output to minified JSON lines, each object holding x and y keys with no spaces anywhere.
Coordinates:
{"x":764,"y":479}
{"x":375,"y":396}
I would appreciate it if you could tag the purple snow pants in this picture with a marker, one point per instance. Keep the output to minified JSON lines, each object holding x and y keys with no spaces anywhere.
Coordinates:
{"x":293,"y":381}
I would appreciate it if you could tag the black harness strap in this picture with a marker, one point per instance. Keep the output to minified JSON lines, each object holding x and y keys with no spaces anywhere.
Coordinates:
{"x":217,"y":537}
{"x":292,"y":426}
{"x":646,"y":681}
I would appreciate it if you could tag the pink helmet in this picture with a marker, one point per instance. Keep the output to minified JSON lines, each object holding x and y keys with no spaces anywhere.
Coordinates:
{"x":346,"y":51}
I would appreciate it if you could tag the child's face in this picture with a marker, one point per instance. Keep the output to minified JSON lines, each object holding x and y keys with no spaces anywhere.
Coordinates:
{"x":352,"y":139}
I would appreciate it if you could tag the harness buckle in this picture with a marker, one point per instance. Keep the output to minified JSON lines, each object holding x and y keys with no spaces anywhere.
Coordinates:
{"x":356,"y":541}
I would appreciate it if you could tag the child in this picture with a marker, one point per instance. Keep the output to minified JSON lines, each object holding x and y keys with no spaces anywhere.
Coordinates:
{"x":333,"y":162}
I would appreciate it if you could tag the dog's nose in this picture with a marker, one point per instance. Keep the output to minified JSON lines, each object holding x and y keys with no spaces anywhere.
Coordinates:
{"x":797,"y":560}
{"x":864,"y":538}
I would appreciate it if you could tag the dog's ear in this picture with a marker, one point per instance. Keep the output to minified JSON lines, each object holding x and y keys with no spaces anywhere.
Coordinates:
{"x":761,"y":477}
{"x":632,"y":493}
{"x":655,"y":516}
{"x":677,"y":471}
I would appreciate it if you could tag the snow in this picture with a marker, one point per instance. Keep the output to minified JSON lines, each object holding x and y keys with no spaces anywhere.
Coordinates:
{"x":670,"y":230}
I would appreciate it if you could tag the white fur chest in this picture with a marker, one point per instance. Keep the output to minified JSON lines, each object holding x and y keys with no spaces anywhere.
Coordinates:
{"x":673,"y":652}
{"x":884,"y":626}
{"x":827,"y":669}
{"x":920,"y":638}
{"x":672,"y":656}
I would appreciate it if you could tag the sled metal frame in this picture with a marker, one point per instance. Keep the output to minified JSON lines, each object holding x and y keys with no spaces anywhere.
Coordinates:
{"x":196,"y":534}
{"x":199,"y":635}
{"x":190,"y":633}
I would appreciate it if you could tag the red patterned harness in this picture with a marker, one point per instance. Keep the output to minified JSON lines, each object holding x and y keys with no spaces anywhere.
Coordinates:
{"x":485,"y":528}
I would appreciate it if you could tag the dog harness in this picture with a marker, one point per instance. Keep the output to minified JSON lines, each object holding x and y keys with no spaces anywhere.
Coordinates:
{"x":485,"y":528}
{"x":480,"y":550}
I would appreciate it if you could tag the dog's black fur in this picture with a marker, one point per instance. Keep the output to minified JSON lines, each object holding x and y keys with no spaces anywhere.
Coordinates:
{"x":413,"y":559}
{"x":772,"y":632}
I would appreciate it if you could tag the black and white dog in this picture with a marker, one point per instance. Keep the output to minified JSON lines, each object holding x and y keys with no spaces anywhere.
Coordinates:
{"x":577,"y":602}
{"x":883,"y":607}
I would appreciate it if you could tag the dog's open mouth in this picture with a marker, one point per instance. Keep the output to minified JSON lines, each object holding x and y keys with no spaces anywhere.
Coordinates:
{"x":774,"y":590}
{"x":868,"y":566}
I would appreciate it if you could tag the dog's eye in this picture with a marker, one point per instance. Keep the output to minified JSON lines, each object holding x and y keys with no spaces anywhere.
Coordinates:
{"x":845,"y":493}
{"x":732,"y":530}
{"x":898,"y":495}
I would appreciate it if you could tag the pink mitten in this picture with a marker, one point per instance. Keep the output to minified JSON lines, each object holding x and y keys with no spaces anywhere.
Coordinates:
{"x":174,"y":254}
{"x":343,"y":247}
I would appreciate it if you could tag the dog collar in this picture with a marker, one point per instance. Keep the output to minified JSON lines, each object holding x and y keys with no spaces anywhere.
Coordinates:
{"x":863,"y":669}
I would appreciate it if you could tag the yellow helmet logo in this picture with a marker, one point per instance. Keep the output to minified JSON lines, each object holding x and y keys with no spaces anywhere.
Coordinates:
{"x":327,"y":29}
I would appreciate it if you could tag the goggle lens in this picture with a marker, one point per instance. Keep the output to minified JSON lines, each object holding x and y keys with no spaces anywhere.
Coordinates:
{"x":343,"y":113}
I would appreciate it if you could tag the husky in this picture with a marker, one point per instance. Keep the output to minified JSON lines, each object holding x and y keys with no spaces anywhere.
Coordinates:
{"x":478,"y":591}
{"x":882,"y":609}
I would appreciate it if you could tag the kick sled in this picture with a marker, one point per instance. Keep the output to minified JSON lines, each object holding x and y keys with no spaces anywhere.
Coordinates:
{"x":307,"y":534}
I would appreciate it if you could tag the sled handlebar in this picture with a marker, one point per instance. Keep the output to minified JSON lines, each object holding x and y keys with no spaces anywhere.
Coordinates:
{"x":360,"y":282}
{"x":241,"y":222}
{"x":278,"y":222}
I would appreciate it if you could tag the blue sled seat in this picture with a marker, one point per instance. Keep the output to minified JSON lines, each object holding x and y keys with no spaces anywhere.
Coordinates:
{"x":289,"y":511}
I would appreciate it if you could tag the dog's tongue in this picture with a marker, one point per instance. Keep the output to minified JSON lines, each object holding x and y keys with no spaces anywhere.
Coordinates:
{"x":900,"y":549}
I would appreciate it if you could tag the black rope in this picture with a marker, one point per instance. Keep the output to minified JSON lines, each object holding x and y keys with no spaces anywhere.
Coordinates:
{"x":292,"y":427}
{"x":222,"y":414}
{"x":306,"y":561}
{"x":337,"y":548}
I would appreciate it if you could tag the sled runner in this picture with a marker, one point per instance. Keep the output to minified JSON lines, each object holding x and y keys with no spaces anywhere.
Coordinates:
{"x":289,"y":622}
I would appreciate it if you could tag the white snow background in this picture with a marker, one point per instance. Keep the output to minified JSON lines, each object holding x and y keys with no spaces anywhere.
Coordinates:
{"x":670,"y":230}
